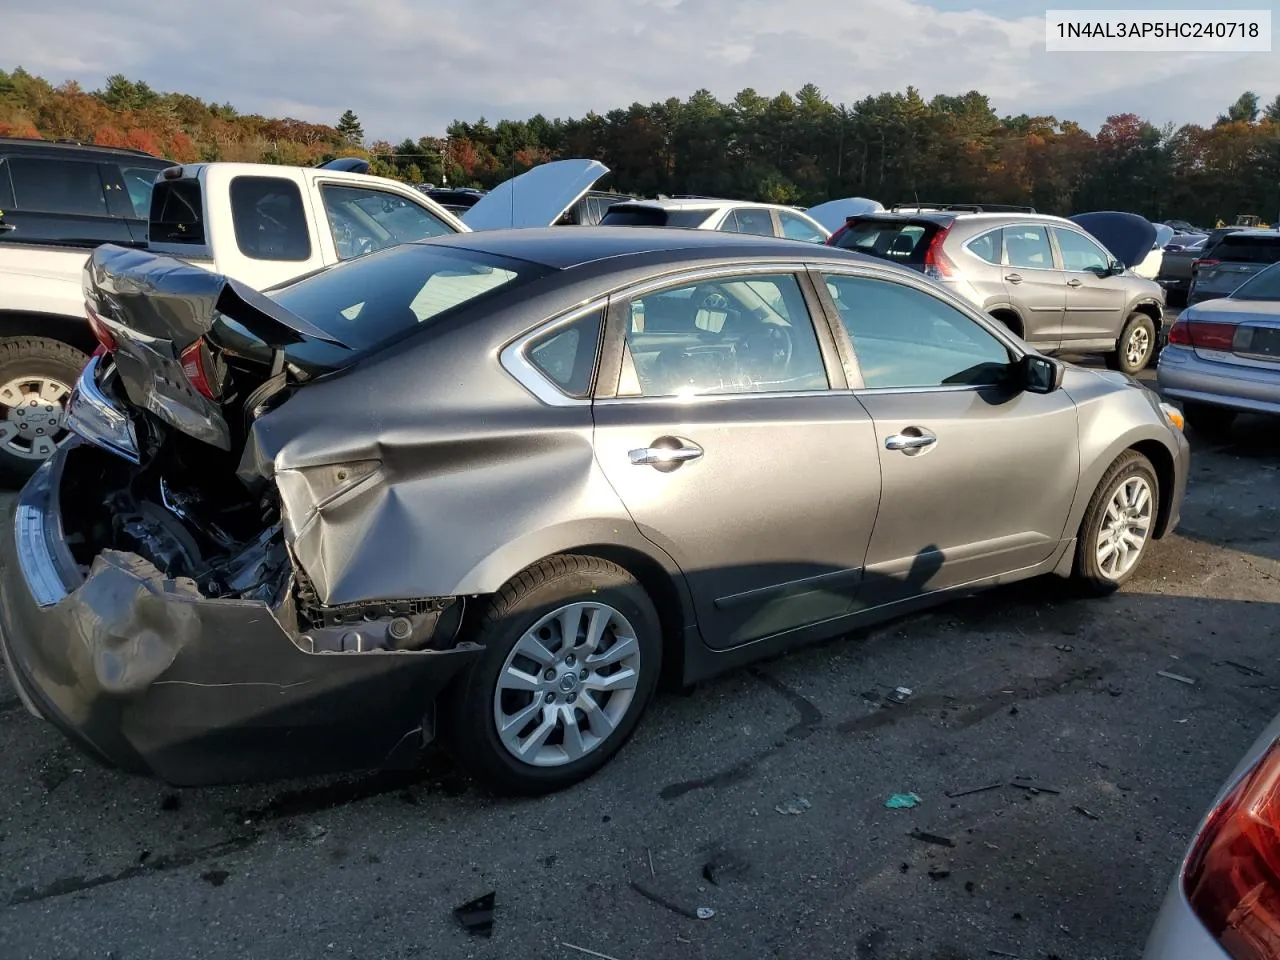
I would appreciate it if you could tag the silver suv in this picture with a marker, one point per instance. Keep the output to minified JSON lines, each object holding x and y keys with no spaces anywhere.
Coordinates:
{"x":1046,"y":278}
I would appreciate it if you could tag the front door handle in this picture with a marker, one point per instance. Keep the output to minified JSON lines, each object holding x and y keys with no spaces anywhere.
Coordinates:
{"x":1074,"y":282}
{"x":670,"y":454}
{"x":910,"y":442}
{"x":1014,"y":277}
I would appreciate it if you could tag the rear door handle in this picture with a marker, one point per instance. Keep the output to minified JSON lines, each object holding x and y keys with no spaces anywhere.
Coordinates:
{"x":8,"y":227}
{"x":665,"y":455}
{"x":1014,"y":278}
{"x":910,"y":442}
{"x":1073,"y":282}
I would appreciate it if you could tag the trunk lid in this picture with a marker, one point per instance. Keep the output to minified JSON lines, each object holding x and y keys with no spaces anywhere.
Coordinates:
{"x":173,"y":327}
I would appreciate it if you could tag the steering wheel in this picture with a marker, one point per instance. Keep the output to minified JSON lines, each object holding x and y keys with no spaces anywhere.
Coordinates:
{"x":770,"y":345}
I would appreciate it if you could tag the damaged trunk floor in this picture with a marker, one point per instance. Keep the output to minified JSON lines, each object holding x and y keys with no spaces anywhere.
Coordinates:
{"x":761,"y":797}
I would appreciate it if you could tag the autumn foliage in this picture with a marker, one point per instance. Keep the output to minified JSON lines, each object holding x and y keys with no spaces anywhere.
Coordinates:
{"x":790,"y":148}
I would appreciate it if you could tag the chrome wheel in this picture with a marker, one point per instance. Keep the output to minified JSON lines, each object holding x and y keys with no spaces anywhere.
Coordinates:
{"x":32,"y":416}
{"x":567,"y":684}
{"x":1125,"y":528}
{"x":1138,"y":347}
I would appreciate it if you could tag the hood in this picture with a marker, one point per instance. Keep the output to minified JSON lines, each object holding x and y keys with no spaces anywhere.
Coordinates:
{"x":834,"y":213}
{"x":1128,"y":236}
{"x":537,"y":198}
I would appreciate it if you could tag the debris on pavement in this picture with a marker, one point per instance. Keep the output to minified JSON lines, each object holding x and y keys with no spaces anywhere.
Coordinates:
{"x":725,"y":865}
{"x":648,"y":853}
{"x":1033,"y":787}
{"x":700,"y":913}
{"x":903,"y":801}
{"x":476,"y":916}
{"x":954,"y":794}
{"x":1175,"y":676}
{"x":1001,"y":953}
{"x":794,"y":807}
{"x":899,"y":695}
{"x":933,"y":838}
{"x":1243,"y":668}
{"x":1064,"y":647}
{"x":586,"y":952}
{"x":939,"y":872}
{"x":1085,"y":813}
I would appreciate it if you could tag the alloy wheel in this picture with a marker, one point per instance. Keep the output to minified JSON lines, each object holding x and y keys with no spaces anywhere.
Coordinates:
{"x":567,"y":684}
{"x":1138,"y":347}
{"x":1125,"y":527}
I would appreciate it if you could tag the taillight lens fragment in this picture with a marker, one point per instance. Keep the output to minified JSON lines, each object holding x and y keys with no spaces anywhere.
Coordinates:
{"x":200,"y":369}
{"x":1232,"y":878}
{"x":106,"y":340}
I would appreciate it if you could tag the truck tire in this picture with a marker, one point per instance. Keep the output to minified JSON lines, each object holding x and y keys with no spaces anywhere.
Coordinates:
{"x":36,"y":377}
{"x":1136,"y":345}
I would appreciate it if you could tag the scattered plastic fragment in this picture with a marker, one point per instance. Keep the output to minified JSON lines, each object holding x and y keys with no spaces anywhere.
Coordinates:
{"x":900,"y":695}
{"x":953,"y":794}
{"x":932,"y":838}
{"x":1064,"y":647}
{"x":705,"y":913}
{"x":649,"y":854}
{"x":476,"y":916}
{"x":794,"y":807}
{"x":662,"y":901}
{"x":1033,"y":787}
{"x":903,"y":801}
{"x":1001,"y":953}
{"x":1244,"y":668}
{"x":1085,"y":813}
{"x":586,"y":952}
{"x":1175,"y":676}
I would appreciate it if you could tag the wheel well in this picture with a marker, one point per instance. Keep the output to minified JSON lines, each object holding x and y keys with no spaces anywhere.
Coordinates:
{"x":1162,"y":460}
{"x":657,"y":583}
{"x":1152,"y":311}
{"x":70,"y":330}
{"x":1010,"y":319}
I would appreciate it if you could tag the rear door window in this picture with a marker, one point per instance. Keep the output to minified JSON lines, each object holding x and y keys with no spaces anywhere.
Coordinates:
{"x":750,"y":220}
{"x":44,"y":185}
{"x":1234,"y":248}
{"x":902,"y":241}
{"x":269,"y":219}
{"x":1028,"y":247}
{"x":795,"y":227}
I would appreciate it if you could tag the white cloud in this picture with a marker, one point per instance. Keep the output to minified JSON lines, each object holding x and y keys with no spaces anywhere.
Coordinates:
{"x":407,"y":66}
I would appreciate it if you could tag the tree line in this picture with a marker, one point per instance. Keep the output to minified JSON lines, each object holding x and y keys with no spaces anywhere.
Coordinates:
{"x":790,"y":148}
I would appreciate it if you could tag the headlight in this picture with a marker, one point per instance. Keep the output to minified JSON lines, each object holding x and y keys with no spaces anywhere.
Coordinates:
{"x":1173,"y":415}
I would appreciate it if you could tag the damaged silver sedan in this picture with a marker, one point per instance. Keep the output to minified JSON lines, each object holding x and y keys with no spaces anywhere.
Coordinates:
{"x":490,"y":487}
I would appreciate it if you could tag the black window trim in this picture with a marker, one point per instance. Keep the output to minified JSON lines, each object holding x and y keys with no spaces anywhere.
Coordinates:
{"x":302,"y":202}
{"x":845,"y":342}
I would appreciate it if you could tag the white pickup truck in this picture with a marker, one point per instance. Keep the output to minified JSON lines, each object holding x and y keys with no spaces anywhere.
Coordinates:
{"x":258,"y":223}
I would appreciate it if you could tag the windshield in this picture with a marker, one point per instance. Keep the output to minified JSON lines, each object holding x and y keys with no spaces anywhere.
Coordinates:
{"x":623,"y":216}
{"x":891,"y":239}
{"x":1264,"y":285}
{"x":366,"y":303}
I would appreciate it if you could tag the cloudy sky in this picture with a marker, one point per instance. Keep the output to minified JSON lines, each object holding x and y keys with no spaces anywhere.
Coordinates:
{"x":407,"y":67}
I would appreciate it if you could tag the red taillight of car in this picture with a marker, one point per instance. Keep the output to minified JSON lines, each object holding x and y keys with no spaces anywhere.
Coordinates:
{"x":1232,"y":878}
{"x":834,"y":239}
{"x":936,"y":263}
{"x":100,"y":332}
{"x":1205,"y":336}
{"x":198,"y":367}
{"x":1197,"y":264}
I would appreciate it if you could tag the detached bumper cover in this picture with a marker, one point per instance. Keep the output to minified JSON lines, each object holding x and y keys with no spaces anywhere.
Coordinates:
{"x":145,"y":674}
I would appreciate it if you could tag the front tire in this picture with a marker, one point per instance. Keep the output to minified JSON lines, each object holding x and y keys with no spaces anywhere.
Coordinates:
{"x":1118,"y":525}
{"x":36,"y":377}
{"x":1136,"y":345}
{"x":573,"y":651}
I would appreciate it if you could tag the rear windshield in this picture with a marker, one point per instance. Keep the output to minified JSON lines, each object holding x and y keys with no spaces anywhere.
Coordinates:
{"x":369,"y":301}
{"x":1264,"y":285}
{"x":902,"y":241}
{"x":1254,"y":249}
{"x":653,"y":217}
{"x":177,"y":212}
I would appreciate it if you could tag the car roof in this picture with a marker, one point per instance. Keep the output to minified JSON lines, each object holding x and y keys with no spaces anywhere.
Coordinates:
{"x":951,"y":216}
{"x":1253,"y":232}
{"x":35,"y":144}
{"x":562,"y":249}
{"x":703,"y":203}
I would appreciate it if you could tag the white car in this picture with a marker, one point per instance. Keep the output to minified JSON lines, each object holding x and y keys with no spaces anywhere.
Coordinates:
{"x":706,"y":213}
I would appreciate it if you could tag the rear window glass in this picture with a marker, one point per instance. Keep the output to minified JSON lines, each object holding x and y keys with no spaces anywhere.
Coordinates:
{"x":889,"y":239}
{"x":43,"y":185}
{"x":368,"y":301}
{"x":177,"y":212}
{"x":269,"y":220}
{"x":1255,"y":249}
{"x":1264,"y":285}
{"x":653,"y":217}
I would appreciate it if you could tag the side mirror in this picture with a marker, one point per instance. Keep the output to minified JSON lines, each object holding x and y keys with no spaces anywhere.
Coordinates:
{"x":1115,"y":268}
{"x":1041,"y":374}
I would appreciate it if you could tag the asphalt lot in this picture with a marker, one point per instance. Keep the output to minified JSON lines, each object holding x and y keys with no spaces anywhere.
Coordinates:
{"x":1018,"y":683}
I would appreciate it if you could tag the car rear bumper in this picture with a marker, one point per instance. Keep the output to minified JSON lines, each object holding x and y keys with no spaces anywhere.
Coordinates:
{"x":1184,"y":375}
{"x":145,"y":674}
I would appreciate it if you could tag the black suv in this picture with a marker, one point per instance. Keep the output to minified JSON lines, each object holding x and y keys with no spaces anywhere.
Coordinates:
{"x":58,"y":200}
{"x":71,"y":194}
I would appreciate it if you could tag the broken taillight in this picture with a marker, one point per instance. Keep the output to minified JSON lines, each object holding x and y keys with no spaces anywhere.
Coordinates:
{"x":100,"y":331}
{"x":1232,"y":877}
{"x":201,"y":370}
{"x":936,"y":263}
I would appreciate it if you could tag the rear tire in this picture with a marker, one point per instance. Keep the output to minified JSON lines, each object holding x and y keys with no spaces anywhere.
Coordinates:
{"x":36,"y":377}
{"x":618,"y":655}
{"x":1210,"y":421}
{"x":1123,"y":510}
{"x":1135,"y":346}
